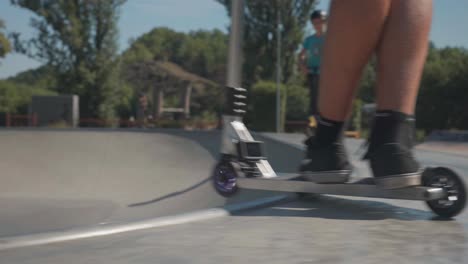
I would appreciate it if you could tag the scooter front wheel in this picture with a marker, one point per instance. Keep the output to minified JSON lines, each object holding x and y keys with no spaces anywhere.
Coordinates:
{"x":455,"y":200}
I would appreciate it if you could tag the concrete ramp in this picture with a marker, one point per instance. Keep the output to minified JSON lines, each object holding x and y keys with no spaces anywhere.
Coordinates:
{"x":61,"y":180}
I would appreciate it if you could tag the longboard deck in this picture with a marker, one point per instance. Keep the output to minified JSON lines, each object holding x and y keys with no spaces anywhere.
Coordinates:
{"x":359,"y":188}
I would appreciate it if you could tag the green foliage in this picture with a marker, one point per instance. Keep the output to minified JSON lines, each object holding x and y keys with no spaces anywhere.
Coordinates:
{"x":15,"y":98}
{"x":420,"y":135}
{"x":208,"y":100}
{"x":355,"y":123}
{"x":368,"y":82}
{"x":60,"y":124}
{"x":43,"y":78}
{"x":444,"y":94}
{"x":297,"y":101}
{"x":78,"y":39}
{"x":137,"y":53}
{"x":200,"y":52}
{"x":206,"y":116}
{"x":260,"y":36}
{"x":204,"y":53}
{"x":5,"y":46}
{"x":262,"y":106}
{"x":159,"y":43}
{"x":443,"y":91}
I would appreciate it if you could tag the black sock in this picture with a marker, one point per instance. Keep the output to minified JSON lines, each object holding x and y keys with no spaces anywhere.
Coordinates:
{"x":328,"y":131}
{"x":392,"y":127}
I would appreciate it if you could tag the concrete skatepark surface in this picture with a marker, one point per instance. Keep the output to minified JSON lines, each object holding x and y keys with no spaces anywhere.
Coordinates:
{"x":58,"y":180}
{"x":323,"y":229}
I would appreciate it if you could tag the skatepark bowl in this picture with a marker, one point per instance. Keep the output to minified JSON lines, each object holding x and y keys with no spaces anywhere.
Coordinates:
{"x":61,"y":180}
{"x":58,"y":181}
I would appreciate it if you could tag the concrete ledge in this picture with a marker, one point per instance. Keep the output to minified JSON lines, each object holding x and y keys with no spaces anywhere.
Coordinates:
{"x":451,"y":136}
{"x":446,"y":141}
{"x":55,"y":237}
{"x":453,"y":148}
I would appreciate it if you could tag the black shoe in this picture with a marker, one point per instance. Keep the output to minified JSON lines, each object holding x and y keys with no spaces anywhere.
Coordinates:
{"x":325,"y":163}
{"x":394,"y":166}
{"x":390,"y":151}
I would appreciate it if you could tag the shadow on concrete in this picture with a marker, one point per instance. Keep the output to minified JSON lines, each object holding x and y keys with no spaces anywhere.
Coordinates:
{"x":328,"y":207}
{"x":171,"y":195}
{"x":210,"y":140}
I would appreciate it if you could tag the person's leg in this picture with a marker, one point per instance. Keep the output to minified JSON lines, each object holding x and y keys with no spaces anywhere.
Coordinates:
{"x":313,"y":80}
{"x":401,"y":55}
{"x":354,"y":30}
{"x":313,"y":93}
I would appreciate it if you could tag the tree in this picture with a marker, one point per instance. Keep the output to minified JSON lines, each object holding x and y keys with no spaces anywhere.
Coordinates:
{"x":205,"y":53}
{"x":260,"y":32}
{"x":5,"y":46}
{"x":367,"y":85}
{"x":200,"y":52}
{"x":443,"y":95}
{"x":78,"y":39}
{"x":16,"y":97}
{"x":262,"y":105}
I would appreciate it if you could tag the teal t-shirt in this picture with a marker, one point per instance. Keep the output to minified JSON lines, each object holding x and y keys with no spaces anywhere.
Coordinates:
{"x":313,"y":45}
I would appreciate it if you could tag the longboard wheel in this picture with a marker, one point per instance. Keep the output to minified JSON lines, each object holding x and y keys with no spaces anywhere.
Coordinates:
{"x":453,"y":184}
{"x":225,"y":178}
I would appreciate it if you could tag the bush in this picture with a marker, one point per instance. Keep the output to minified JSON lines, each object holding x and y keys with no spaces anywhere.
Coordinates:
{"x":420,"y":135}
{"x":262,"y":106}
{"x":59,"y":124}
{"x":297,"y":102}
{"x":15,"y":98}
{"x":443,"y":96}
{"x":355,"y":123}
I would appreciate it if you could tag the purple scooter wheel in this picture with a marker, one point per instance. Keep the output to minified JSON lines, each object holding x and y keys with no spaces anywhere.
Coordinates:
{"x":225,"y":179}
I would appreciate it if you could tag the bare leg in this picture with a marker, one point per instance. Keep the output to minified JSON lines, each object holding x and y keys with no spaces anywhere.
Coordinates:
{"x":402,"y":53}
{"x":398,"y":30}
{"x":354,"y":31}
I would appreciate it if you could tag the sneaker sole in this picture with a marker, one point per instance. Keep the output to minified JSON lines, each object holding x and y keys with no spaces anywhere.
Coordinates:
{"x":340,"y":176}
{"x":399,"y":181}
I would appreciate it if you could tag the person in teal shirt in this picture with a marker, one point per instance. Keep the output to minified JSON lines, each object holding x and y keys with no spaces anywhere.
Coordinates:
{"x":310,"y":58}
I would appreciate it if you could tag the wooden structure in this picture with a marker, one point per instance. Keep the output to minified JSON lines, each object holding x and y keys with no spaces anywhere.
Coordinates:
{"x":15,"y":120}
{"x":160,"y":78}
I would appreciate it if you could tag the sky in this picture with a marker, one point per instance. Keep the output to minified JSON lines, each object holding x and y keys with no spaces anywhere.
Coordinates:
{"x":140,"y":16}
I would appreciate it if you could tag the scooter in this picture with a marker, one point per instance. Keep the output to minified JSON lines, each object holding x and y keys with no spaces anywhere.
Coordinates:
{"x":244,"y":165}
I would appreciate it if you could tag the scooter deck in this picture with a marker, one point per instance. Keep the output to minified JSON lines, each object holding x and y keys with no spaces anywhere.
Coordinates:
{"x":361,"y":188}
